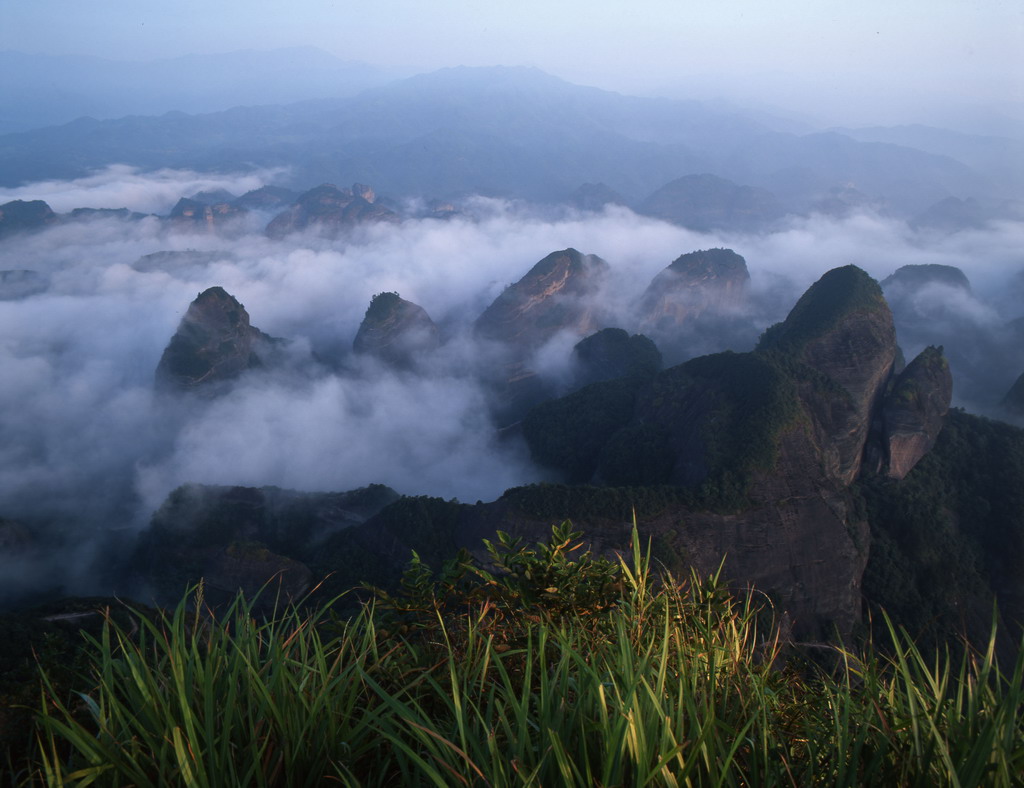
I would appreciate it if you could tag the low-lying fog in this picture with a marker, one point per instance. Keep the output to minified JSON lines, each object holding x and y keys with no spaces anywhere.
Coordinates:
{"x":86,"y":445}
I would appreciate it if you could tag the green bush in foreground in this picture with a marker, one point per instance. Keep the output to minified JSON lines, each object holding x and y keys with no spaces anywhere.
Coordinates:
{"x":489,"y":676}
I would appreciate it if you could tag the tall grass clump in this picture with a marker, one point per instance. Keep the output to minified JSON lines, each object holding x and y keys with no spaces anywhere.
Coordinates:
{"x":542,"y":665}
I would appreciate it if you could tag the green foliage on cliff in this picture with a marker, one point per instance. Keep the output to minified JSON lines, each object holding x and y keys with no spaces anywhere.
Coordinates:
{"x":382,"y":305}
{"x":569,"y":433}
{"x":828,"y":301}
{"x":707,"y":425}
{"x":950,"y":537}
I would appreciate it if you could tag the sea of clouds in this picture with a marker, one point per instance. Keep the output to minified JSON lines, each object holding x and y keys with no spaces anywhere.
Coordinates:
{"x":87,"y":446}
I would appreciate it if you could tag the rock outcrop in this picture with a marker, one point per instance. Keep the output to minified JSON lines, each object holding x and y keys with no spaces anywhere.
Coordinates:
{"x":195,"y":215}
{"x":707,"y":202}
{"x":765,"y":443}
{"x":914,"y":409}
{"x":555,"y":295}
{"x":213,"y":345}
{"x":328,"y":210}
{"x":25,"y":215}
{"x":842,"y":329}
{"x":396,"y":331}
{"x":706,"y":280}
{"x":266,"y":198}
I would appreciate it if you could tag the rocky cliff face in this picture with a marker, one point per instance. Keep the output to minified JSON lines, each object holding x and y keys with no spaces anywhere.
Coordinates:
{"x":842,"y":329}
{"x":396,"y":331}
{"x":766,"y":444}
{"x":210,"y":217}
{"x":711,"y":279}
{"x":555,"y":295}
{"x":214,"y":344}
{"x":329,"y":210}
{"x":914,"y":409}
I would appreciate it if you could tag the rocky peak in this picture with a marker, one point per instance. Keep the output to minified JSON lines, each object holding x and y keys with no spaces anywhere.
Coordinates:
{"x":553,"y":296}
{"x":214,"y":343}
{"x":709,"y":279}
{"x":213,"y":196}
{"x":21,"y":215}
{"x":843,"y":330}
{"x":364,"y":191}
{"x":914,"y":409}
{"x":201,"y":215}
{"x":329,"y":210}
{"x":396,"y":331}
{"x":266,"y":198}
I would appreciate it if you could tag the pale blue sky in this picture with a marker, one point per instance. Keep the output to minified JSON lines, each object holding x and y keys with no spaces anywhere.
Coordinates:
{"x":961,"y":48}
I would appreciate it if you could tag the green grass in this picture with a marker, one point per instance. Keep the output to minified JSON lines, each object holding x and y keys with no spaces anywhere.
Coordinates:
{"x":490,"y":675}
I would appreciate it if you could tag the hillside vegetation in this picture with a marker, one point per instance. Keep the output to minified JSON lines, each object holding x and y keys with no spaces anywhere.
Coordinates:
{"x":538,"y":667}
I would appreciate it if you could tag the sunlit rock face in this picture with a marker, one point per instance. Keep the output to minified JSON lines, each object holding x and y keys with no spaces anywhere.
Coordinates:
{"x":328,"y":211}
{"x":396,"y":331}
{"x":695,"y":283}
{"x":557,"y":296}
{"x":553,"y":296}
{"x":913,"y":410}
{"x":214,"y":344}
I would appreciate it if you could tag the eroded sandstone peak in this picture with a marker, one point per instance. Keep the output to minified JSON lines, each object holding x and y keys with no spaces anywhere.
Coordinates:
{"x":709,"y":279}
{"x":214,"y":343}
{"x":328,"y":210}
{"x":842,"y":329}
{"x":555,"y":295}
{"x":914,"y":408}
{"x":396,"y":331}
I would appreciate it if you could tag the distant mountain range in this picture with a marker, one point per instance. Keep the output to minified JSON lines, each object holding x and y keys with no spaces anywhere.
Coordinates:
{"x":47,"y":90}
{"x":505,"y":132}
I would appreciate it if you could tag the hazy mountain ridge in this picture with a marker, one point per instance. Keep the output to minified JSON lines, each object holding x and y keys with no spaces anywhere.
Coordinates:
{"x":47,"y":90}
{"x":508,"y":132}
